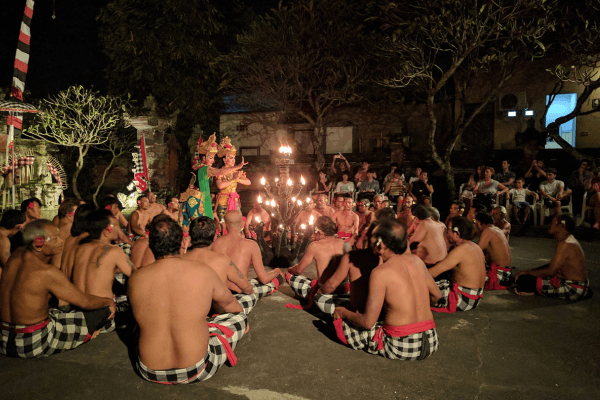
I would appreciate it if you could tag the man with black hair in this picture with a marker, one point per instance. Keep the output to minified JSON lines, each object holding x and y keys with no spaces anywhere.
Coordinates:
{"x":322,"y":208}
{"x":202,"y":232}
{"x":139,"y":219}
{"x":29,"y":328}
{"x":421,"y":190}
{"x":97,"y":260}
{"x":172,"y":209}
{"x":457,"y":208}
{"x":78,"y":233}
{"x":428,"y":239}
{"x":66,"y":213}
{"x":347,"y":221}
{"x":464,"y":289}
{"x":401,"y":286}
{"x":32,"y":210}
{"x":154,"y":208}
{"x":553,"y":194}
{"x":495,"y":246}
{"x":565,"y":277}
{"x":326,"y":250}
{"x":369,"y":187}
{"x":171,"y":300}
{"x":244,"y":251}
{"x":112,"y":204}
{"x":365,"y":217}
{"x":11,"y":223}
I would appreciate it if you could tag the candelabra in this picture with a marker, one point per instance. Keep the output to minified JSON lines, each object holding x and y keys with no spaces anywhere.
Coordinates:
{"x":283,"y":203}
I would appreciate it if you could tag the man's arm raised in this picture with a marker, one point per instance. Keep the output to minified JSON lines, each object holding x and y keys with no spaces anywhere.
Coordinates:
{"x":305,"y":262}
{"x":263,"y":276}
{"x":374,"y":305}
{"x":338,"y":276}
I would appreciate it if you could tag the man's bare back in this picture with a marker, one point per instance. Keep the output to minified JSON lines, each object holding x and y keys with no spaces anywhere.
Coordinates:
{"x":65,"y":230}
{"x":494,"y":244}
{"x":171,"y":299}
{"x":323,"y":252}
{"x":225,"y":268}
{"x":467,"y":263}
{"x":141,"y":255}
{"x":431,"y":239}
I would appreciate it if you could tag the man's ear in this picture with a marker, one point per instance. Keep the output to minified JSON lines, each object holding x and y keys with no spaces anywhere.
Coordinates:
{"x":109,"y":228}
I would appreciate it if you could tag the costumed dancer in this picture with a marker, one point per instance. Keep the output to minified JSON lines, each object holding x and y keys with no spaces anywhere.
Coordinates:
{"x":196,"y":202}
{"x":228,"y":198}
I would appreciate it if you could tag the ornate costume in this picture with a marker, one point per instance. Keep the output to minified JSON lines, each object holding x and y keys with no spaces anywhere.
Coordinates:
{"x":228,"y":198}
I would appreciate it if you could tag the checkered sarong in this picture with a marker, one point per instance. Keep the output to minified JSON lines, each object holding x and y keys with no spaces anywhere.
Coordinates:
{"x":328,"y":302}
{"x":410,"y":342}
{"x":60,"y":332}
{"x":126,"y":247}
{"x":225,"y":332}
{"x":497,"y":277}
{"x":456,"y":297}
{"x":248,"y":301}
{"x":563,"y":289}
{"x":300,"y":284}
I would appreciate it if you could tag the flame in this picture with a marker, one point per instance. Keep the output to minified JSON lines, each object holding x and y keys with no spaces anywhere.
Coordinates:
{"x":259,"y":199}
{"x":303,"y":227}
{"x":276,"y":179}
{"x":293,"y":199}
{"x":268,"y":203}
{"x":302,"y":180}
{"x":285,"y":150}
{"x":311,"y":220}
{"x":300,"y":203}
{"x":257,"y":219}
{"x":308,"y":199}
{"x":262,"y":181}
{"x":289,"y":182}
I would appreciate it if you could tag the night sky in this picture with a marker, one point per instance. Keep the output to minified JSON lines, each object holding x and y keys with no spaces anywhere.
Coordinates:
{"x":64,"y":51}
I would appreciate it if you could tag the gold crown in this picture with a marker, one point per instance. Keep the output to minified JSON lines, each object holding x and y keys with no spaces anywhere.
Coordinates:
{"x":209,"y":146}
{"x":226,"y":148}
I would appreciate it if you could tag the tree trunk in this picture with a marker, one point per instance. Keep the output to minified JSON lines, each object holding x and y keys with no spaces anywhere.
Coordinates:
{"x":317,"y":146}
{"x":450,"y":180}
{"x":95,"y":196}
{"x":78,"y":168}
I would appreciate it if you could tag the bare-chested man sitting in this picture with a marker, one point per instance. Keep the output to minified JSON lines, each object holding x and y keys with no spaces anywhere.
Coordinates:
{"x":171,"y":299}
{"x":202,"y":233}
{"x":365,"y":217}
{"x":428,"y":238}
{"x":154,"y":208}
{"x":78,"y":233}
{"x":140,"y":218}
{"x":304,"y":217}
{"x":97,"y":260}
{"x":326,"y":250}
{"x":356,"y":265}
{"x":243,"y":251}
{"x":322,"y":207}
{"x":11,"y":223}
{"x":497,"y":252}
{"x":466,"y":262}
{"x":66,"y":213}
{"x":141,"y":255}
{"x":347,"y":222}
{"x":255,"y":216}
{"x":565,"y":277}
{"x":172,"y":209}
{"x":499,"y":217}
{"x":401,"y":286}
{"x":29,"y":328}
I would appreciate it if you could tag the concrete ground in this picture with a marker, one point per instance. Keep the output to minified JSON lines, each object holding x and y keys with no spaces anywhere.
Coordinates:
{"x":510,"y":347}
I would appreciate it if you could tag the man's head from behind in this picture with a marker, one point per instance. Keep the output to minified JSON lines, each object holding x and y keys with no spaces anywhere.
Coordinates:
{"x":390,"y":233}
{"x":562,"y":223}
{"x":109,"y":203}
{"x":80,"y":219}
{"x":460,"y":228}
{"x":165,"y":238}
{"x":324,"y":227}
{"x":420,"y":212}
{"x":202,"y":232}
{"x":484,"y":218}
{"x":12,"y":220}
{"x":102,"y":221}
{"x":233,"y":220}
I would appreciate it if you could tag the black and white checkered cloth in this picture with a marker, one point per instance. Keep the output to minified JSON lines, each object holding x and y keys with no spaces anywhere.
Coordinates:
{"x":456,"y":297}
{"x":225,"y":332}
{"x":328,"y":302}
{"x":416,"y":346}
{"x":60,"y":332}
{"x":248,"y":301}
{"x":497,"y":277}
{"x":300,"y":284}
{"x":563,"y":288}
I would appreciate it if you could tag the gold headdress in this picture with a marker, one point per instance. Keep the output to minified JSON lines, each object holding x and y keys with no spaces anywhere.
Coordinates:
{"x":208,"y":146}
{"x":226,"y":148}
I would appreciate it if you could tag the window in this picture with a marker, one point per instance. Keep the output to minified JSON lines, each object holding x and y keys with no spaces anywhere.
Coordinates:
{"x":562,"y":105}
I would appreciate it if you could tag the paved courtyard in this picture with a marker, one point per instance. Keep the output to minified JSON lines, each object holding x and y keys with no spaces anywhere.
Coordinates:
{"x":510,"y":347}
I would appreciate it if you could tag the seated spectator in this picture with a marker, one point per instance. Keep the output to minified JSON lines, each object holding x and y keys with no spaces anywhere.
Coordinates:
{"x":464,"y":289}
{"x":467,"y":194}
{"x":369,"y":187}
{"x":519,"y":200}
{"x":415,"y":177}
{"x":457,"y":208}
{"x":506,"y":177}
{"x":343,"y":167}
{"x":594,"y":198}
{"x":323,"y":184}
{"x":565,"y":277}
{"x":393,"y":170}
{"x":29,"y":327}
{"x":499,"y":216}
{"x":344,"y":186}
{"x":553,"y":194}
{"x":361,"y":174}
{"x":421,"y":190}
{"x":11,"y":223}
{"x":401,"y":287}
{"x":535,"y":175}
{"x":579,"y":182}
{"x":486,"y":190}
{"x":428,"y":241}
{"x":396,"y":188}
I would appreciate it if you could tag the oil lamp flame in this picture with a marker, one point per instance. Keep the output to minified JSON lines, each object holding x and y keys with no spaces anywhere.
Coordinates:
{"x":259,"y":199}
{"x":311,"y":220}
{"x":257,"y":219}
{"x":303,"y":227}
{"x":302,"y":180}
{"x":289,"y":182}
{"x":285,"y":150}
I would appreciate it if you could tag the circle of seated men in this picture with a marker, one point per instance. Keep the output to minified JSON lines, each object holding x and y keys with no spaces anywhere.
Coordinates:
{"x":380,"y":277}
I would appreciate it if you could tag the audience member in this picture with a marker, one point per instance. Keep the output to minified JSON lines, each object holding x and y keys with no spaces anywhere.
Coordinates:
{"x":323,"y":184}
{"x":344,"y":186}
{"x":579,"y":182}
{"x":344,"y":166}
{"x":421,"y":190}
{"x":519,"y":200}
{"x":553,"y":194}
{"x":535,"y":175}
{"x":370,"y":187}
{"x":506,"y":177}
{"x":361,"y":174}
{"x":396,"y":188}
{"x":486,"y":190}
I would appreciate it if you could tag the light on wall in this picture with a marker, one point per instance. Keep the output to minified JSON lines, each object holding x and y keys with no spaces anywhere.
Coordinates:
{"x":511,"y":114}
{"x":528,"y":113}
